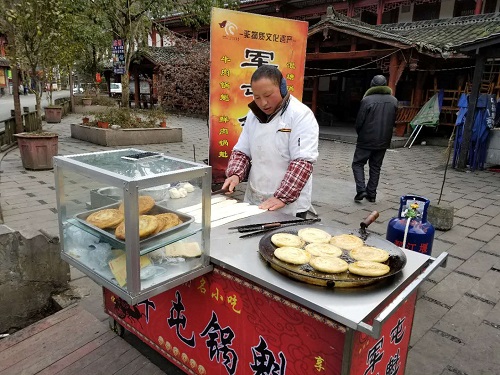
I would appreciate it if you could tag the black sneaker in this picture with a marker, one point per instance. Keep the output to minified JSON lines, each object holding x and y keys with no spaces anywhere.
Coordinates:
{"x":371,"y":199}
{"x":360,"y":196}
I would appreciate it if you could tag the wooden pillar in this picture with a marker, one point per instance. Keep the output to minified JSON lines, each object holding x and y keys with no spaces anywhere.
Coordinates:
{"x":380,"y":11}
{"x":354,"y":41}
{"x":350,"y":9}
{"x":418,"y":97}
{"x":137,"y":88}
{"x":153,"y":36}
{"x":393,"y":71}
{"x":479,"y":7}
{"x":471,"y":112}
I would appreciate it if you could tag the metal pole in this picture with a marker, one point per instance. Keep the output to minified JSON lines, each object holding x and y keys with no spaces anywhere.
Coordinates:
{"x":411,"y":135}
{"x":416,"y":135}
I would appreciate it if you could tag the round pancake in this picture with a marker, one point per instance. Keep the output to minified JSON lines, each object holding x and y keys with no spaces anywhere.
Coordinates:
{"x":107,"y":218}
{"x":369,"y":253}
{"x":169,"y":220}
{"x":292,"y":255}
{"x":314,"y":235}
{"x":147,"y":226}
{"x":146,"y":203}
{"x":286,"y":240}
{"x":346,"y":241}
{"x":366,"y":268}
{"x":329,"y":264}
{"x":323,"y":249}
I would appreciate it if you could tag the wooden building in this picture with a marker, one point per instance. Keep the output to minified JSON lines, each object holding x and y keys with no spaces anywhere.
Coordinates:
{"x":416,"y":44}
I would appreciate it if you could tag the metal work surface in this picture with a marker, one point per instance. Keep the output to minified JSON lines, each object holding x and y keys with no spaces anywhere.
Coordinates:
{"x":346,"y":306}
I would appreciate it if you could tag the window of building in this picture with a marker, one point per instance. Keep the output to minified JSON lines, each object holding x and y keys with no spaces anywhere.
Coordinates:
{"x":490,"y":6}
{"x":464,"y":8}
{"x":426,"y":11}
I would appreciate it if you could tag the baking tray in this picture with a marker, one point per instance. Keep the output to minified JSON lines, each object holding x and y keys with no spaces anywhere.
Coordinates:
{"x":307,"y":274}
{"x":110,"y":233}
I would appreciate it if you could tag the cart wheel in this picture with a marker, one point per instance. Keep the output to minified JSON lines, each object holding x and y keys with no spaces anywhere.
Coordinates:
{"x":116,"y":327}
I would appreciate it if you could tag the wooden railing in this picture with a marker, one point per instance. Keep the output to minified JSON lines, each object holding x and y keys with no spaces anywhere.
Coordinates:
{"x":404,"y":115}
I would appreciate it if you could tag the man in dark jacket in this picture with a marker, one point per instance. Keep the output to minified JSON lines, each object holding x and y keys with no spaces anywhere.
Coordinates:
{"x":374,"y":125}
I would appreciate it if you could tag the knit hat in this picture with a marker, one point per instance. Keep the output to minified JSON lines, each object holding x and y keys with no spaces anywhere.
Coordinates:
{"x":378,"y":81}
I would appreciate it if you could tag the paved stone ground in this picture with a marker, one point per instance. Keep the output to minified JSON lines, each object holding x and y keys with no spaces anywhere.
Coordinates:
{"x":457,"y":321}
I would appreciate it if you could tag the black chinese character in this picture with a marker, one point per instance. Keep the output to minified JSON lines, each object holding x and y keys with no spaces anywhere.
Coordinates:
{"x":255,"y":35}
{"x":397,"y":333}
{"x":374,"y":356}
{"x":218,"y":342}
{"x":268,"y":37}
{"x":178,"y":320}
{"x":147,"y":305}
{"x":276,"y":37}
{"x":257,"y":58}
{"x":248,"y":89}
{"x":246,"y":34}
{"x":392,"y":367}
{"x":242,"y":120}
{"x":264,"y":362}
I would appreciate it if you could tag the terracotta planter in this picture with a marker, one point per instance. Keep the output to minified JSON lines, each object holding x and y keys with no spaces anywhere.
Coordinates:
{"x":53,"y":114}
{"x":163,"y":124}
{"x":37,"y":150}
{"x":85,"y":120}
{"x":87,"y":101}
{"x":103,"y":124}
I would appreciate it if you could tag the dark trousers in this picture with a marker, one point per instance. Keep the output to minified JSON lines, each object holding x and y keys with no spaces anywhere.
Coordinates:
{"x":374,"y":159}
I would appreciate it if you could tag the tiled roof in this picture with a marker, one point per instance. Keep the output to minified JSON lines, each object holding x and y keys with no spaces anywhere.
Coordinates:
{"x":448,"y":34}
{"x":161,"y":55}
{"x":4,"y":61}
{"x":443,"y":36}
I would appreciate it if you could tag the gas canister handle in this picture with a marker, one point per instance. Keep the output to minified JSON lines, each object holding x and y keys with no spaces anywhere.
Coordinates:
{"x":375,"y":329}
{"x":406,"y":198}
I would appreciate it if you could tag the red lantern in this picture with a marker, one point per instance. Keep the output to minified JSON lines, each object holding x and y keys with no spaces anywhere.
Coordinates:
{"x":98,"y":77}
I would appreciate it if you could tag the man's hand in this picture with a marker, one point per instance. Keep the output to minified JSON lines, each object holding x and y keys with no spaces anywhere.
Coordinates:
{"x":231,"y":183}
{"x":272,"y":204}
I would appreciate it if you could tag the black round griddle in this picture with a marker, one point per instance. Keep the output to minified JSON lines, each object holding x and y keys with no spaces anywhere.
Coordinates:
{"x":307,"y":274}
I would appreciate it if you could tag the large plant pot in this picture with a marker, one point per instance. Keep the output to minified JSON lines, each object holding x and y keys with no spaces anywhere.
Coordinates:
{"x":53,"y":114}
{"x":37,"y":150}
{"x":87,"y":101}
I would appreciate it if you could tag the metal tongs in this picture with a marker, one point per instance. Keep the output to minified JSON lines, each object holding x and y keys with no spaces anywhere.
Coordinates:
{"x":262,"y":228}
{"x":365,"y":223}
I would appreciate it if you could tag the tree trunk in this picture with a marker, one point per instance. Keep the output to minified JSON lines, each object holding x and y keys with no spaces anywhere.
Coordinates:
{"x":71,"y":96}
{"x":125,"y":89}
{"x":17,"y":100}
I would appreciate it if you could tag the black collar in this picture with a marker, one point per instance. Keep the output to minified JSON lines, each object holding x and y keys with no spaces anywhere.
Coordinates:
{"x":261,"y":115}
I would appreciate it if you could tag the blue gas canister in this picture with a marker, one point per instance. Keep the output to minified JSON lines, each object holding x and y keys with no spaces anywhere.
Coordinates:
{"x":410,"y":229}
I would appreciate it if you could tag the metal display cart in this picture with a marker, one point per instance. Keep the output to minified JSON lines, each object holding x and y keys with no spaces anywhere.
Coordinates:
{"x":244,"y":317}
{"x":115,"y":180}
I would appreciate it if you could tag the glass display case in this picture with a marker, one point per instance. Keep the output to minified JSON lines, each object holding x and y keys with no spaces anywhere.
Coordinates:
{"x":136,"y":222}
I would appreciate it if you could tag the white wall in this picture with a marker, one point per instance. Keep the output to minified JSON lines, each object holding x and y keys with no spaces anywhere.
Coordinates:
{"x":447,"y":8}
{"x":405,"y":17}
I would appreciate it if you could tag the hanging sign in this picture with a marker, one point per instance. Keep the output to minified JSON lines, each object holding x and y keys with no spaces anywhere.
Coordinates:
{"x":118,"y":53}
{"x":239,"y":44}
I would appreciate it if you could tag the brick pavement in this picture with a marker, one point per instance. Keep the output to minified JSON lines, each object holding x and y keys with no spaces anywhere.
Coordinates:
{"x":457,"y":322}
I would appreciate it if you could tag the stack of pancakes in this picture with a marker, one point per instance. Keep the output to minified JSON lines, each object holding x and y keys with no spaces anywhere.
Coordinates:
{"x":148,"y":224}
{"x":323,"y":252}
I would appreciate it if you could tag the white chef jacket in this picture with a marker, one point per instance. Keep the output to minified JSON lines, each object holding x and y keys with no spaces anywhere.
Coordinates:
{"x":292,"y":134}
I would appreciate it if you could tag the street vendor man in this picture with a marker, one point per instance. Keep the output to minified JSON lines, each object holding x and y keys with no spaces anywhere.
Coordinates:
{"x":276,"y":149}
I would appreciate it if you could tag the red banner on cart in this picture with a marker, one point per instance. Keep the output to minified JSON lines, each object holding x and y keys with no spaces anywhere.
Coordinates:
{"x":239,"y":44}
{"x":386,"y":355}
{"x":221,"y":324}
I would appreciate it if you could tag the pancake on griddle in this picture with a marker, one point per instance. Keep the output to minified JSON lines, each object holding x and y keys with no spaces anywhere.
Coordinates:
{"x":292,"y":255}
{"x":323,"y":249}
{"x":314,"y":235}
{"x":286,"y":240}
{"x":369,"y":253}
{"x":366,"y":268}
{"x":346,"y":241}
{"x":329,"y":264}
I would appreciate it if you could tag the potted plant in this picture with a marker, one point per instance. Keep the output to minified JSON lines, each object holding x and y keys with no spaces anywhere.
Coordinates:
{"x":53,"y":113}
{"x":37,"y":149}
